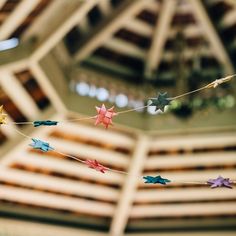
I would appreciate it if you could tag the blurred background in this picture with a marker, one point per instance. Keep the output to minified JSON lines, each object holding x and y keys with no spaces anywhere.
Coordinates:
{"x":61,"y":58}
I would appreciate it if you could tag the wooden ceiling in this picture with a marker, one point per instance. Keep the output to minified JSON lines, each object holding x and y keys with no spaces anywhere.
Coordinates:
{"x":138,"y":41}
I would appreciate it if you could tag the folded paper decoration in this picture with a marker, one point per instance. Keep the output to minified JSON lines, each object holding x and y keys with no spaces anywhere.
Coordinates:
{"x":43,"y":146}
{"x":95,"y":165}
{"x":104,"y":115}
{"x":155,"y":180}
{"x":220,"y":182}
{"x":44,"y":122}
{"x":160,"y":101}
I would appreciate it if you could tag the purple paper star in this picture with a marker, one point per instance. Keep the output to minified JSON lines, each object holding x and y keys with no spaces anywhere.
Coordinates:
{"x":220,"y":182}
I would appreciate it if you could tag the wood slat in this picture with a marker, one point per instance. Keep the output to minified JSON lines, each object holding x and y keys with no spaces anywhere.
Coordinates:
{"x":183,"y":195}
{"x":63,"y":186}
{"x":194,"y":141}
{"x":191,"y":160}
{"x":66,"y":167}
{"x":89,"y":152}
{"x":170,"y":210}
{"x":54,"y":201}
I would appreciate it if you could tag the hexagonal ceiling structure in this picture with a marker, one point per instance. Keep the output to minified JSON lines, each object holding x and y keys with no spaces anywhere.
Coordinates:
{"x":59,"y":59}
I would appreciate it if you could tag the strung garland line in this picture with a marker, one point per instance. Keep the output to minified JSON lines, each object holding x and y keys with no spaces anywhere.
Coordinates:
{"x":134,"y":109}
{"x":38,"y":144}
{"x":59,"y":121}
{"x":160,"y":102}
{"x":105,"y":116}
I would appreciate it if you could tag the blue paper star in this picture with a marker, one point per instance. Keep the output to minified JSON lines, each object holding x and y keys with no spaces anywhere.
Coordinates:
{"x":155,"y":180}
{"x":160,"y":101}
{"x":44,"y":122}
{"x":38,"y":144}
{"x":220,"y":182}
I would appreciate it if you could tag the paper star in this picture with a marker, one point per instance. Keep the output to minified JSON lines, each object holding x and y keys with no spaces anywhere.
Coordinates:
{"x":220,"y":182}
{"x":38,"y":144}
{"x":44,"y":122}
{"x":104,"y":115}
{"x":95,"y":165}
{"x":155,"y":180}
{"x":160,"y":101}
{"x":2,"y":116}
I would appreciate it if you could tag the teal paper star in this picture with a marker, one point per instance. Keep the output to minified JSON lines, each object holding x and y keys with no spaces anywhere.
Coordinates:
{"x":43,"y":146}
{"x":160,"y":101}
{"x":44,"y":122}
{"x":155,"y":180}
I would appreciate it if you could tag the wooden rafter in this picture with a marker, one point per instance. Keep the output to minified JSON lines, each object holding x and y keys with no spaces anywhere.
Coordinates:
{"x":159,"y":37}
{"x":211,"y":34}
{"x":129,"y":189}
{"x":17,"y":17}
{"x":109,"y":26}
{"x":42,"y":79}
{"x":64,"y":26}
{"x":18,"y":94}
{"x":2,"y":2}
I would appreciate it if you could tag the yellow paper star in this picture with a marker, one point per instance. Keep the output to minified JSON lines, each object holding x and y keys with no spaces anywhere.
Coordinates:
{"x":2,"y":116}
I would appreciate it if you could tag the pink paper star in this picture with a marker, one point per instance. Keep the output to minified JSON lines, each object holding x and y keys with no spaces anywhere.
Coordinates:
{"x":95,"y":165}
{"x":104,"y":115}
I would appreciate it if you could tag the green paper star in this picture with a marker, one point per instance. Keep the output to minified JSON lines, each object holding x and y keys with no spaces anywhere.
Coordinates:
{"x":161,"y":101}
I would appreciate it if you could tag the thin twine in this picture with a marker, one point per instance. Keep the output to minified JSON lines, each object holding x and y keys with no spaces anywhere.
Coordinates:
{"x":185,"y":94}
{"x":59,"y":121}
{"x":70,"y":156}
{"x":134,"y":109}
{"x":24,"y":135}
{"x":113,"y":170}
{"x":210,"y":85}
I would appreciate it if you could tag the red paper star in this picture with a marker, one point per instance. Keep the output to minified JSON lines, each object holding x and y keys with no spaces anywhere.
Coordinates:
{"x":104,"y":115}
{"x":95,"y":165}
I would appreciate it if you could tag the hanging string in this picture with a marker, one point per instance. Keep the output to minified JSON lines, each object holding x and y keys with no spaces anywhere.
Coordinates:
{"x":134,"y":109}
{"x":185,"y":94}
{"x":114,"y":170}
{"x":70,"y":156}
{"x":213,"y":84}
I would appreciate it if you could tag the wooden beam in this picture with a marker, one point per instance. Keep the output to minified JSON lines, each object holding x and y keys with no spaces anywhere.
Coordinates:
{"x":228,"y":19}
{"x":125,"y":48}
{"x":183,"y":195}
{"x":55,"y":201}
{"x":112,"y":138}
{"x":2,"y":2}
{"x":109,"y":26}
{"x":57,"y":184}
{"x":15,"y":90}
{"x":124,"y":206}
{"x":159,"y":37}
{"x":17,"y":17}
{"x":191,"y":160}
{"x":139,"y":26}
{"x":189,"y":209}
{"x":105,"y":6}
{"x":213,"y":37}
{"x":43,"y":81}
{"x":195,"y":141}
{"x":63,"y":27}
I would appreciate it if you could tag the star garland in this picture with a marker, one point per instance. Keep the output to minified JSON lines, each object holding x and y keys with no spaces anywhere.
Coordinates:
{"x":104,"y":116}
